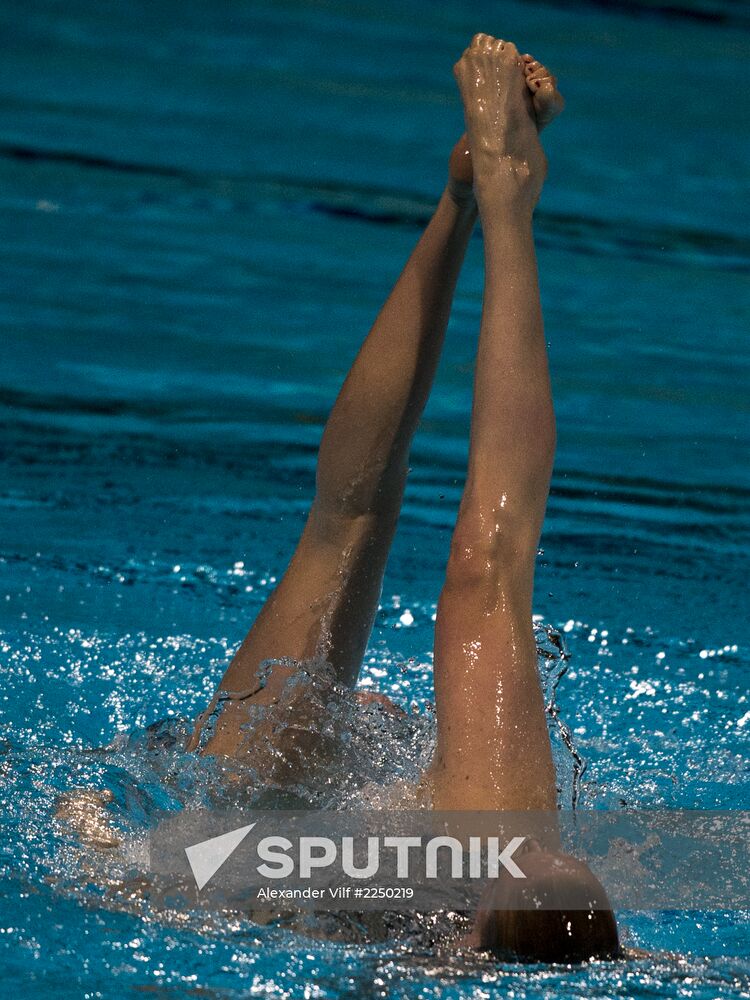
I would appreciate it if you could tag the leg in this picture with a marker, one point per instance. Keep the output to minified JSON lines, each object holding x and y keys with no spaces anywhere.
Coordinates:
{"x":493,"y":746}
{"x":325,"y":603}
{"x":493,"y":749}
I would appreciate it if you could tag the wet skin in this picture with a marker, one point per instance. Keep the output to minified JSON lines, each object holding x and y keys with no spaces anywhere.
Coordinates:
{"x":493,"y":748}
{"x":327,"y":599}
{"x":325,"y":602}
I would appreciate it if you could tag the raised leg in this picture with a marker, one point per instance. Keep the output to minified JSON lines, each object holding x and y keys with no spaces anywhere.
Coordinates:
{"x":493,"y":746}
{"x":326,"y":601}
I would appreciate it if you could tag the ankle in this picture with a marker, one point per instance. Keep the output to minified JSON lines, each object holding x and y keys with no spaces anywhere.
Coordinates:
{"x":461,"y":194}
{"x":507,"y":182}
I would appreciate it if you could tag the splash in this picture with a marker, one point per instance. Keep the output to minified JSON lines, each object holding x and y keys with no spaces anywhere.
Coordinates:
{"x":329,"y":749}
{"x":68,"y":691}
{"x":553,"y":658}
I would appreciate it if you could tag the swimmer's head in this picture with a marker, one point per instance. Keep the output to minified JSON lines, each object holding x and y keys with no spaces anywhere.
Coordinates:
{"x":559,"y":913}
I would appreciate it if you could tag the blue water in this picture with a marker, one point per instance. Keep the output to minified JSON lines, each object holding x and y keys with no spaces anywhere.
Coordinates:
{"x":203,"y":207}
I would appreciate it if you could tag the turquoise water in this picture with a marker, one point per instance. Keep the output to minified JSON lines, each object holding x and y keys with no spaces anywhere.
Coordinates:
{"x":204,"y":205}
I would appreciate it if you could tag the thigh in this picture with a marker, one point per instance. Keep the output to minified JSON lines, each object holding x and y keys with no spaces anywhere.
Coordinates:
{"x":493,"y":748}
{"x":323,"y":608}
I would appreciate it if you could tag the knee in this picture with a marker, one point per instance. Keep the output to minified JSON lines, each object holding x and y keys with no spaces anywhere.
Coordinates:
{"x":344,"y":527}
{"x":486,"y":547}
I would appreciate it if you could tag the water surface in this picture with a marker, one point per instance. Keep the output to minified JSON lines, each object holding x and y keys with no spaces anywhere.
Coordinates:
{"x":203,"y":208}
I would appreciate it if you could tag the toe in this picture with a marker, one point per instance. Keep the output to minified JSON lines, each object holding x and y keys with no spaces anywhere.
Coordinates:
{"x":548,"y":101}
{"x":537,"y":72}
{"x":545,"y":86}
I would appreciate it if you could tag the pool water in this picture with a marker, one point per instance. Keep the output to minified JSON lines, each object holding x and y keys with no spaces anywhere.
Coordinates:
{"x":204,"y":205}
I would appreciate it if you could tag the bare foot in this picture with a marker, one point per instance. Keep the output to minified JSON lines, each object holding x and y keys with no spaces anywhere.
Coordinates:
{"x":547,"y":100}
{"x":497,"y":102}
{"x":501,"y":117}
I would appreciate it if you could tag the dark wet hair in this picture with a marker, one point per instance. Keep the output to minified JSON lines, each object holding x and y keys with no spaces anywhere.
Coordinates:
{"x":559,"y":913}
{"x":554,"y":936}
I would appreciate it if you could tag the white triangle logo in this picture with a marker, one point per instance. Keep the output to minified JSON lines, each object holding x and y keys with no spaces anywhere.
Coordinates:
{"x":207,"y":857}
